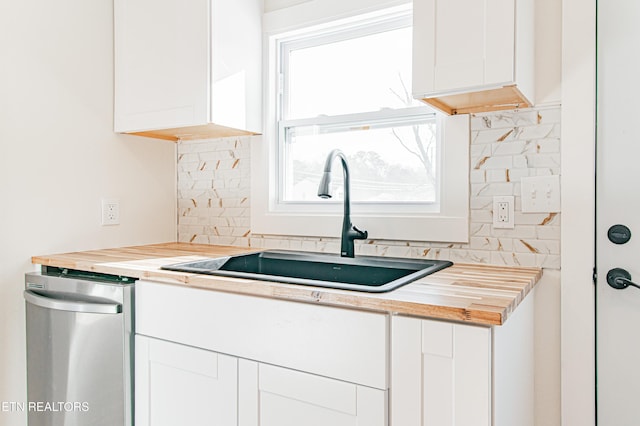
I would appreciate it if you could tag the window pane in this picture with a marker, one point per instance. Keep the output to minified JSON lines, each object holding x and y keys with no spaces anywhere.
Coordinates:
{"x":387,"y":163}
{"x":361,"y":74}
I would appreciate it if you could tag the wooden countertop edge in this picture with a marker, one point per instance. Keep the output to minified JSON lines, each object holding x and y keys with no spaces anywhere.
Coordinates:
{"x":517,"y":287}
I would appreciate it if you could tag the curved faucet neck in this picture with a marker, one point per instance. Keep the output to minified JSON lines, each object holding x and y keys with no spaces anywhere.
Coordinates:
{"x":349,"y":232}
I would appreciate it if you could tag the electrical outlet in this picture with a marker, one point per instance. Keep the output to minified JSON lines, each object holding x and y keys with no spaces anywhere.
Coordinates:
{"x":503,"y":212}
{"x":110,"y":212}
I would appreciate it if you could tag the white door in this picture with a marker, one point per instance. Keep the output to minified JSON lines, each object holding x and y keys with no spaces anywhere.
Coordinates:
{"x":618,"y":203}
{"x":183,"y":385}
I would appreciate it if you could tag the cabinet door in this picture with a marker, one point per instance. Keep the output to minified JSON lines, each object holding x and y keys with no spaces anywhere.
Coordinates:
{"x":182,"y":385}
{"x":161,"y":63}
{"x":440,"y":374}
{"x":460,"y":44}
{"x":275,"y":396}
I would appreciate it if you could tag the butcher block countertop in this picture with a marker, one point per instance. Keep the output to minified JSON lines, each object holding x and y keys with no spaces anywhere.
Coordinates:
{"x":480,"y":294}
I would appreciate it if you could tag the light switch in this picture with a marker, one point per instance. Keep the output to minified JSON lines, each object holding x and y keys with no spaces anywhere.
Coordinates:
{"x":540,"y":194}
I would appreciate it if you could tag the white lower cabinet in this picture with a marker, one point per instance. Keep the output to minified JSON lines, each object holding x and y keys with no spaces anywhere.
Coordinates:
{"x":287,"y":363}
{"x":182,"y":385}
{"x":275,"y":396}
{"x":451,"y":374}
{"x":178,"y":384}
{"x":225,"y":359}
{"x":441,"y":373}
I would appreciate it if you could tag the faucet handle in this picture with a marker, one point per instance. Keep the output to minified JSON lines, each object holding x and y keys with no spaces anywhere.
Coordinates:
{"x":362,"y":235}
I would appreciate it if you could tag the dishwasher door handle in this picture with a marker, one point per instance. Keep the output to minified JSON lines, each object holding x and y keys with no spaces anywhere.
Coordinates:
{"x":71,"y":305}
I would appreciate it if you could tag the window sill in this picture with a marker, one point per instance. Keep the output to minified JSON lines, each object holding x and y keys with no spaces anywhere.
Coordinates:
{"x":396,"y":227}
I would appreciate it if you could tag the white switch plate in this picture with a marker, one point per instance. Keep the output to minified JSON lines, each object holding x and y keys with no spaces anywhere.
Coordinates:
{"x":540,"y":194}
{"x":110,"y":212}
{"x":503,"y":216}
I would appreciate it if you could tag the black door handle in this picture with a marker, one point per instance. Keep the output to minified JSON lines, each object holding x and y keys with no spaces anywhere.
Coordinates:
{"x":620,"y":279}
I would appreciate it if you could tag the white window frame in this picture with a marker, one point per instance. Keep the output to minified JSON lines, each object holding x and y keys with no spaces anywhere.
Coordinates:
{"x":412,"y":222}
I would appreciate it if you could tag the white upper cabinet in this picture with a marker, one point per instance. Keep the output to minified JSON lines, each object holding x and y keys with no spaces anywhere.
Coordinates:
{"x":188,"y":70}
{"x":473,"y":55}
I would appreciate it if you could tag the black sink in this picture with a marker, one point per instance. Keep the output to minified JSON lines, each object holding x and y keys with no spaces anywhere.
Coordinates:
{"x":362,"y":273}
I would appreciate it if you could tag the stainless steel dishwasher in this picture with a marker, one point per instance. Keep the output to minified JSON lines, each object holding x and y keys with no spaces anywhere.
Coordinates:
{"x":79,"y":348}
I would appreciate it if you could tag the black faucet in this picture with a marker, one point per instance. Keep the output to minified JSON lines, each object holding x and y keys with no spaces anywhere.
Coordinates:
{"x":349,"y":232}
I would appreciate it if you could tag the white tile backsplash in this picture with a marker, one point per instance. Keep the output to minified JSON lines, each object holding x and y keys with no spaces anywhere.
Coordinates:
{"x":214,"y":196}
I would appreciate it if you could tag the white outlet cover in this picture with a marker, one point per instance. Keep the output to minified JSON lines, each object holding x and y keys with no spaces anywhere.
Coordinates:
{"x":503,"y":212}
{"x":540,"y":194}
{"x":110,"y":211}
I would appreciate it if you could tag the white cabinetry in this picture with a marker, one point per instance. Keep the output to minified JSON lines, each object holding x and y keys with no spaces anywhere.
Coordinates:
{"x":290,"y":363}
{"x":441,"y":373}
{"x":178,"y":384}
{"x":274,"y":396}
{"x":344,"y":344}
{"x":473,"y":55}
{"x":186,"y":70}
{"x":449,"y":374}
{"x":296,"y":363}
{"x":182,"y":385}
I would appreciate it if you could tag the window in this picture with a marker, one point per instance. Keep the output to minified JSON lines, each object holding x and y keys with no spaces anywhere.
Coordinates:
{"x":347,"y":86}
{"x":392,"y":157}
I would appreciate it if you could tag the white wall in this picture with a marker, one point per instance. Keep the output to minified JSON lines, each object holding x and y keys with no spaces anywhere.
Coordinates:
{"x":59,"y":156}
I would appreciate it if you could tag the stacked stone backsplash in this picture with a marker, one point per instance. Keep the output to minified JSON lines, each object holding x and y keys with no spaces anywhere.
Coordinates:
{"x":214,"y":196}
